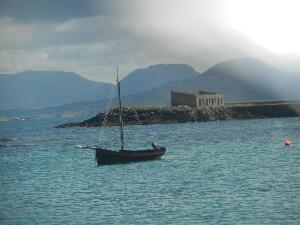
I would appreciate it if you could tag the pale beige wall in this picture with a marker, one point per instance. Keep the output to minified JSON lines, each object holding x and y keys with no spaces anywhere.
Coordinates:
{"x":194,"y":100}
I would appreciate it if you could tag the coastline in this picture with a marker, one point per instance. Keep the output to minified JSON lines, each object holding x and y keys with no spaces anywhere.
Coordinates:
{"x":184,"y":114}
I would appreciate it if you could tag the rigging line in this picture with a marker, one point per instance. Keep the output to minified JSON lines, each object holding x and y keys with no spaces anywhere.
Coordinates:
{"x":108,"y":107}
{"x":107,"y":110}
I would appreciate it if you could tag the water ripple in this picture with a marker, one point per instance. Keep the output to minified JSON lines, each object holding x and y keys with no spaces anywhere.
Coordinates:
{"x":231,"y":172}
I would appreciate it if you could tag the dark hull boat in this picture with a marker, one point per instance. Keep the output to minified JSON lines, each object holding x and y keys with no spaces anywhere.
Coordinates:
{"x":104,"y":156}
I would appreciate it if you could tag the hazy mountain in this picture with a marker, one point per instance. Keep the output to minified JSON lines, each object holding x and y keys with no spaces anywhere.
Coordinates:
{"x":35,"y":89}
{"x":246,"y":79}
{"x":253,"y":79}
{"x":153,"y":76}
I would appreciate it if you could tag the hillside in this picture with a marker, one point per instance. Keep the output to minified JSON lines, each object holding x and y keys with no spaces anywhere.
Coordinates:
{"x":251,"y":79}
{"x":153,"y":76}
{"x":246,"y":79}
{"x":37,"y":89}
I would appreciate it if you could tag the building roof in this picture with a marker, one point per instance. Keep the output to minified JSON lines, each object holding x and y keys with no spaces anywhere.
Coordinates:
{"x":195,"y":92}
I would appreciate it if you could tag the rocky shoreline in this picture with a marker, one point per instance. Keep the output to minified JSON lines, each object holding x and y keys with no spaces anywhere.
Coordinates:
{"x":183,"y":114}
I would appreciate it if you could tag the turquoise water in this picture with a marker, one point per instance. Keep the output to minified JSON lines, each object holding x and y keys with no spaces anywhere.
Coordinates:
{"x":231,"y":172}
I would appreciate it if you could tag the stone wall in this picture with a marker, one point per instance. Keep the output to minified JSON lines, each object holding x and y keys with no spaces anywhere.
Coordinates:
{"x":178,"y":98}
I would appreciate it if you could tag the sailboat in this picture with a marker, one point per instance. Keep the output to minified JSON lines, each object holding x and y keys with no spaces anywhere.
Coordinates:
{"x":105,"y":156}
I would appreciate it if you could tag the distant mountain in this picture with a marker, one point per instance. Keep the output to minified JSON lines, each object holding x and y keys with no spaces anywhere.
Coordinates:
{"x":246,"y":79}
{"x":148,"y":78}
{"x":251,"y":79}
{"x":36,"y":89}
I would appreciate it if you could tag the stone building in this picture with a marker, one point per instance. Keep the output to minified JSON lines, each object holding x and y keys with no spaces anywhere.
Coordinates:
{"x":197,"y":99}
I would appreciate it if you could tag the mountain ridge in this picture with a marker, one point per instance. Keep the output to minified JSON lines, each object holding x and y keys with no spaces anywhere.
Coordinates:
{"x":144,"y":79}
{"x":37,"y":89}
{"x":40,"y":89}
{"x":227,"y":77}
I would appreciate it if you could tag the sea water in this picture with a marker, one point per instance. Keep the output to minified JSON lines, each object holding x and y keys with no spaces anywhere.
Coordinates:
{"x":227,"y":172}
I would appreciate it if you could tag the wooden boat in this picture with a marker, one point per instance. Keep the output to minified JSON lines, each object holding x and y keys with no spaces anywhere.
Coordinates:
{"x":105,"y":156}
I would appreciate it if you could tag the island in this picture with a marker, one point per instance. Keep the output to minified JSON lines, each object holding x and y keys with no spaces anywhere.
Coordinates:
{"x":182,"y":114}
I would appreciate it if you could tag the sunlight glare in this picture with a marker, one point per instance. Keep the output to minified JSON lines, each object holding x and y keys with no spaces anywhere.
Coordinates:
{"x":272,"y":24}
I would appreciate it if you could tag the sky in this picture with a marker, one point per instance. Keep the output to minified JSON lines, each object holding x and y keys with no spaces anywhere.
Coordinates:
{"x":93,"y":37}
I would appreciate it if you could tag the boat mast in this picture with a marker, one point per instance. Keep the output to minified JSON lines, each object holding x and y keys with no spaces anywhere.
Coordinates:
{"x":120,"y":112}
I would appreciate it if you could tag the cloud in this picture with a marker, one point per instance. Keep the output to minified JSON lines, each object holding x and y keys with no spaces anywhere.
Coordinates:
{"x":45,"y":10}
{"x":92,"y":38}
{"x":14,"y":35}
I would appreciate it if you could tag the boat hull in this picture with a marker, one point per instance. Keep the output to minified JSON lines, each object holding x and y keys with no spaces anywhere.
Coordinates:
{"x":104,"y":156}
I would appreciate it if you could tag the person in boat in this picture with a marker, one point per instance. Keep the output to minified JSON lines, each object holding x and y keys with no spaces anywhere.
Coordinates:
{"x":154,"y":146}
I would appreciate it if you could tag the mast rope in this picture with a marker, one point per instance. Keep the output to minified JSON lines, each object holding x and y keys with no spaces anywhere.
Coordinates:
{"x":107,"y":110}
{"x":108,"y":106}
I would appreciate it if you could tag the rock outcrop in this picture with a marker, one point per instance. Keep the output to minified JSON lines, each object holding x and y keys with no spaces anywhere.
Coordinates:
{"x":154,"y":115}
{"x":183,"y":114}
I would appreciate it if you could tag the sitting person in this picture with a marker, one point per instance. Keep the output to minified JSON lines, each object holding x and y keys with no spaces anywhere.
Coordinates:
{"x":154,"y":146}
